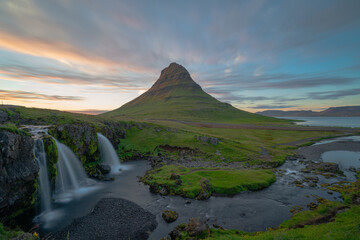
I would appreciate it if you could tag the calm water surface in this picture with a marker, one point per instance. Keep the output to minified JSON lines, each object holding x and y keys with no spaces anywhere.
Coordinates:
{"x":328,"y":121}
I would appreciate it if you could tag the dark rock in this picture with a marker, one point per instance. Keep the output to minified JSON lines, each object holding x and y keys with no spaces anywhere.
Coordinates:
{"x":170,"y":216}
{"x":313,"y":179}
{"x":195,"y":227}
{"x":214,"y":141}
{"x":355,"y":199}
{"x":174,"y":176}
{"x":163,"y":191}
{"x":24,"y":236}
{"x":175,"y":234}
{"x":104,"y":168}
{"x":352,"y":169}
{"x":3,"y":116}
{"x":18,"y":173}
{"x":211,"y":140}
{"x":330,"y":167}
{"x":178,"y":182}
{"x":111,"y":218}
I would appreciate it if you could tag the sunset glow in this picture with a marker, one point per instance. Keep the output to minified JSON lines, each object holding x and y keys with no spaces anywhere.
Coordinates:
{"x":91,"y":57}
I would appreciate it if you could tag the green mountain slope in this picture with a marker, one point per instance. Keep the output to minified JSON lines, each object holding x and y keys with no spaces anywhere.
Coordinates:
{"x":176,"y":96}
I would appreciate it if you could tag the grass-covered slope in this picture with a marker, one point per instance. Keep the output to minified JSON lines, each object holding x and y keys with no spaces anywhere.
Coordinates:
{"x":176,"y":96}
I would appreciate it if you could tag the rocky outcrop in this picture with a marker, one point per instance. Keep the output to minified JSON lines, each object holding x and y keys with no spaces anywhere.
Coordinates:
{"x":115,"y":131}
{"x":18,"y":173}
{"x":81,"y":139}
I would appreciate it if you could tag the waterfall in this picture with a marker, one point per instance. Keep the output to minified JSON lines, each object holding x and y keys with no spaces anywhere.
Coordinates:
{"x":40,"y":157}
{"x":71,"y":175}
{"x":108,"y":154}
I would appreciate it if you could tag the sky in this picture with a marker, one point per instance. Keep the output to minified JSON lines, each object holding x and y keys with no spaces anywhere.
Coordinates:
{"x":94,"y":56}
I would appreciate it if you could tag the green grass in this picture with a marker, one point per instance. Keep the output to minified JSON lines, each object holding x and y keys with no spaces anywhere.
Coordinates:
{"x":6,"y":234}
{"x":221,"y":180}
{"x":235,"y":145}
{"x":346,"y":226}
{"x":10,"y":127}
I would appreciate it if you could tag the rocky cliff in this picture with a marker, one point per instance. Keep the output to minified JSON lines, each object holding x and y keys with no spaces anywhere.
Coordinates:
{"x":18,"y":173}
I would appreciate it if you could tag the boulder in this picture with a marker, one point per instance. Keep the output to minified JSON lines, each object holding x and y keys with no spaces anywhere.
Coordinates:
{"x":170,"y":216}
{"x":196,"y":226}
{"x":104,"y":168}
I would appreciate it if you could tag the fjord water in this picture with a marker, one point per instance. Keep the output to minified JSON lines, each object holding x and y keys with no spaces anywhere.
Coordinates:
{"x":109,"y":155}
{"x":353,"y":122}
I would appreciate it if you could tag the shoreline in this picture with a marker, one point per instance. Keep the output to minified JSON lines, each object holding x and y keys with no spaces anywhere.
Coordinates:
{"x":314,"y":152}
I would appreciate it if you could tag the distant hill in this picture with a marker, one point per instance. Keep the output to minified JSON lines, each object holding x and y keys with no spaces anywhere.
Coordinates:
{"x":349,"y":111}
{"x":176,"y":96}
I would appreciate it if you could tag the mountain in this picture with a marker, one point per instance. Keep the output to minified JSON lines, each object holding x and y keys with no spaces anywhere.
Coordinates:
{"x":176,"y":96}
{"x":348,"y":111}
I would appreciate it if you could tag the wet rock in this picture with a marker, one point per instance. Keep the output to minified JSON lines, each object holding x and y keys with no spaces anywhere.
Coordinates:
{"x":330,"y":167}
{"x":104,"y":168}
{"x":163,"y":191}
{"x":195,"y":227}
{"x":217,"y":226}
{"x":18,"y":173}
{"x":352,"y":169}
{"x":313,"y":179}
{"x":175,"y":234}
{"x":170,"y":216}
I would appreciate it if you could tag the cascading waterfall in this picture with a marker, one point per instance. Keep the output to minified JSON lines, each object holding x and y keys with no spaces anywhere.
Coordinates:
{"x":108,"y":154}
{"x":40,"y":157}
{"x":71,"y":175}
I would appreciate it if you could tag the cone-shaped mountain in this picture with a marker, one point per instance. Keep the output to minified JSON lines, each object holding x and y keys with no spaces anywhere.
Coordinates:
{"x":175,"y":95}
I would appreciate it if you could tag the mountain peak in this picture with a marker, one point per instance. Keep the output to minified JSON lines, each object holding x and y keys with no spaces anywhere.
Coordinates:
{"x":174,"y":68}
{"x":172,"y":76}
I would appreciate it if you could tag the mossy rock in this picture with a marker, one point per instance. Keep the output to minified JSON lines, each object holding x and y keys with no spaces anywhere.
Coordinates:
{"x":170,"y":216}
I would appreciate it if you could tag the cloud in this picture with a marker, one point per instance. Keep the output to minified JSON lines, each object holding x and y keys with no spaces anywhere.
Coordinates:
{"x":22,"y":95}
{"x":273,"y":106}
{"x":331,"y":95}
{"x":232,"y":46}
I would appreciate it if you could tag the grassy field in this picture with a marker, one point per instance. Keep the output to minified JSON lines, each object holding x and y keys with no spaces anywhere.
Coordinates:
{"x":192,"y":182}
{"x":235,"y":145}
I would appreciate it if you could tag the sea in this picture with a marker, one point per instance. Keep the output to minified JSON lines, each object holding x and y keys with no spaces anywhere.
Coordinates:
{"x":352,"y":122}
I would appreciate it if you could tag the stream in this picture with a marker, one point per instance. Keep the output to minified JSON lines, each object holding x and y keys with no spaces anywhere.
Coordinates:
{"x":247,"y":211}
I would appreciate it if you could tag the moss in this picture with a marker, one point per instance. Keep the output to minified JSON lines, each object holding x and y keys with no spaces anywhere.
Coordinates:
{"x":202,"y":182}
{"x":52,"y":158}
{"x":11,"y":127}
{"x":6,"y":233}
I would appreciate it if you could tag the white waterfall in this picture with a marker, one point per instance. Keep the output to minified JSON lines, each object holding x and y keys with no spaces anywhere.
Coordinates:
{"x":40,"y":157}
{"x":108,"y":154}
